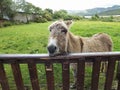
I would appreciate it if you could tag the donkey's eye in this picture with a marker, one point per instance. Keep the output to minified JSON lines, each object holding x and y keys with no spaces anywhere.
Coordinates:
{"x":64,"y":30}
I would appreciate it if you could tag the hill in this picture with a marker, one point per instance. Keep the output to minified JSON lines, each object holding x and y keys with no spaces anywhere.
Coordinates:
{"x":111,"y":12}
{"x":114,"y":9}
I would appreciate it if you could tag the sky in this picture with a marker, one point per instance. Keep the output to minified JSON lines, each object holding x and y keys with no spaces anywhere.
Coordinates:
{"x":73,"y":4}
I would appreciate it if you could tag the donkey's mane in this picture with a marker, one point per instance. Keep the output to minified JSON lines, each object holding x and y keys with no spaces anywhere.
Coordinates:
{"x":73,"y":42}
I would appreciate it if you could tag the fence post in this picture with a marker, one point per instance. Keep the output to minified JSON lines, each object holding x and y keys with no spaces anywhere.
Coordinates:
{"x":95,"y":73}
{"x":109,"y":74}
{"x":3,"y":78}
{"x":65,"y":75}
{"x":33,"y":76}
{"x":80,"y":74}
{"x":118,"y":75}
{"x":49,"y":76}
{"x":17,"y":76}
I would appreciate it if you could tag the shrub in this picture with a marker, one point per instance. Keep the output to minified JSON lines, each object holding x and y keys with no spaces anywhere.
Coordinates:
{"x":48,"y":17}
{"x":72,"y":17}
{"x":95,"y":17}
{"x":68,"y":17}
{"x":40,"y":20}
{"x":6,"y":23}
{"x":77,"y":17}
{"x":107,"y":19}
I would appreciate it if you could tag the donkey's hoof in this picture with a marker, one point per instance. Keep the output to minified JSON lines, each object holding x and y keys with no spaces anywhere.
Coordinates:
{"x":73,"y":86}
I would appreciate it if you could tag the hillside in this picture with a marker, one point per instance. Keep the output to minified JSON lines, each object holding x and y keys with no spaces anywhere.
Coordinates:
{"x":111,"y":12}
{"x":114,"y":10}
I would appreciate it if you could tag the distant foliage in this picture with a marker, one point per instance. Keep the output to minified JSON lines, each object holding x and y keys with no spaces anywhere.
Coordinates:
{"x":107,"y":19}
{"x":95,"y":17}
{"x":72,"y":17}
{"x":40,"y":20}
{"x":6,"y":9}
{"x":61,"y":14}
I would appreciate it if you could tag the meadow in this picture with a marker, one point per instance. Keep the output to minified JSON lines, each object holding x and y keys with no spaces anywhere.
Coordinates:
{"x":33,"y":38}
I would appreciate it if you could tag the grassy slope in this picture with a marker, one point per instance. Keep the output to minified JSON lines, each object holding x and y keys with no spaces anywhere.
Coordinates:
{"x":33,"y":38}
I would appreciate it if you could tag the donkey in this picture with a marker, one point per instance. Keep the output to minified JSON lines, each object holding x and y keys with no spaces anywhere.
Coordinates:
{"x":62,"y":41}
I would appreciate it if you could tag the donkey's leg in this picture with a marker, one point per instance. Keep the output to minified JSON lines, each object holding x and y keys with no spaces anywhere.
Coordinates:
{"x":104,"y":66}
{"x":74,"y":70}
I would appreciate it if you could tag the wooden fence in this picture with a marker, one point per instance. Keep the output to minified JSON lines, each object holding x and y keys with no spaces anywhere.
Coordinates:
{"x":80,"y":58}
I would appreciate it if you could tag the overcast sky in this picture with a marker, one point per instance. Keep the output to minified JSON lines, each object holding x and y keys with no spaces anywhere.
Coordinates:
{"x":73,"y":4}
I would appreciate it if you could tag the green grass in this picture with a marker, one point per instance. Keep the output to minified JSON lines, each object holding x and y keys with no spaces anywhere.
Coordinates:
{"x":88,"y":28}
{"x":33,"y":38}
{"x":30,"y":38}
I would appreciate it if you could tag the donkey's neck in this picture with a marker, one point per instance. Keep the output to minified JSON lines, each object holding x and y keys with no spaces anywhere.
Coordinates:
{"x":73,"y":43}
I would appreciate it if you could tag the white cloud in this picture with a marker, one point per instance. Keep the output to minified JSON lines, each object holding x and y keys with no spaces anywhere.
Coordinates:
{"x":73,"y":4}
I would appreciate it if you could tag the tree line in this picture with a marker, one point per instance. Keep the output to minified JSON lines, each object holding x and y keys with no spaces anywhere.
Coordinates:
{"x":9,"y":8}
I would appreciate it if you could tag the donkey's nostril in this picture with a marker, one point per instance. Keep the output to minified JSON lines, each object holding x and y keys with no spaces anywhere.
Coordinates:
{"x":52,"y":49}
{"x":55,"y":47}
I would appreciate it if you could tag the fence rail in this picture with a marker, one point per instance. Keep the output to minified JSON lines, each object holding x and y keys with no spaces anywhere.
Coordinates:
{"x":80,"y":58}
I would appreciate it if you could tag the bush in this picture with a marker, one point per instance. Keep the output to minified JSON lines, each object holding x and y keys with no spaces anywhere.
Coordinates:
{"x":40,"y":20}
{"x":6,"y":23}
{"x":72,"y":17}
{"x":95,"y":17}
{"x":48,"y":17}
{"x":77,"y":17}
{"x":107,"y":19}
{"x":68,"y":17}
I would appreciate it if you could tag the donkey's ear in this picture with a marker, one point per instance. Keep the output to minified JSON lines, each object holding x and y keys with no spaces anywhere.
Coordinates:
{"x":68,"y":23}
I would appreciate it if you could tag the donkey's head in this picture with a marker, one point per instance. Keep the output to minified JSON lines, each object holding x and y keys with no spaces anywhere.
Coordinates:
{"x":58,"y":37}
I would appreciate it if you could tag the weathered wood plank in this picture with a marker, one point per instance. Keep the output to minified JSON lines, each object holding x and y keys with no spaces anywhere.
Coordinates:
{"x":33,"y":76}
{"x":65,"y":75}
{"x":95,"y":74}
{"x":109,"y":74}
{"x":42,"y":58}
{"x":17,"y":76}
{"x":118,"y":75}
{"x":80,"y":74}
{"x":3,"y":78}
{"x":49,"y":76}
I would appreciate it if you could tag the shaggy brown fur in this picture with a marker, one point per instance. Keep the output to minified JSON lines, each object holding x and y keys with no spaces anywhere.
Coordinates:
{"x":97,"y":43}
{"x":64,"y":41}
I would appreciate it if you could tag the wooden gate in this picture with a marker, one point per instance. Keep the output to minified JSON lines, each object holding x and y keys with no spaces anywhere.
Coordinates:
{"x":80,"y":58}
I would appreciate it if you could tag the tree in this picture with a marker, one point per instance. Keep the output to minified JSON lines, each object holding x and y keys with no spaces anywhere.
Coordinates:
{"x":48,"y":14}
{"x":26,"y":7}
{"x":60,"y":14}
{"x":6,"y":8}
{"x":95,"y":17}
{"x":12,"y":12}
{"x":37,"y":10}
{"x":49,"y":10}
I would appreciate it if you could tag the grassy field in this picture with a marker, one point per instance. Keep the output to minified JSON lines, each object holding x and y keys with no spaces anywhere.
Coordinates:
{"x":33,"y":38}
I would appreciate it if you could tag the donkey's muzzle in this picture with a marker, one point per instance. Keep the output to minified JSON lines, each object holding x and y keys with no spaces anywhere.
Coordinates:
{"x":51,"y":49}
